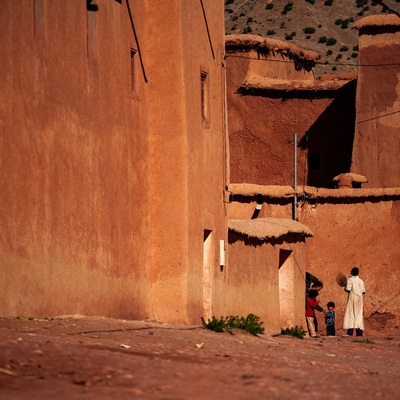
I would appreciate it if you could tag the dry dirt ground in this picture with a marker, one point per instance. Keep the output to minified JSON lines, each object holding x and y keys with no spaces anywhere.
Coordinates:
{"x":99,"y":358}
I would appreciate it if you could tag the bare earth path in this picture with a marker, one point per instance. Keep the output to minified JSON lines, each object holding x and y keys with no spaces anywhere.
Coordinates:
{"x":98,"y":358}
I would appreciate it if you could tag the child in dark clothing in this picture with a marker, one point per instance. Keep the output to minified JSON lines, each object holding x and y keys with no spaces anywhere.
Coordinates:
{"x":330,"y":319}
{"x":311,"y":306}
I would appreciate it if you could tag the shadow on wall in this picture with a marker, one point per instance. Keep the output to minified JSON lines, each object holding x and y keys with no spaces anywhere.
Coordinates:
{"x":329,"y":141}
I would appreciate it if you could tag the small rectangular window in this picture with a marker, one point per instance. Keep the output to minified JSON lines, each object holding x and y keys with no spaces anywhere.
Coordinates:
{"x":134,"y":80}
{"x":205,"y":99}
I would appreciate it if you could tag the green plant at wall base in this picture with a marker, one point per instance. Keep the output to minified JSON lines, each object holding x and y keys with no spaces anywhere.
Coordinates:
{"x":214,"y":324}
{"x":297,"y":331}
{"x":250,"y":324}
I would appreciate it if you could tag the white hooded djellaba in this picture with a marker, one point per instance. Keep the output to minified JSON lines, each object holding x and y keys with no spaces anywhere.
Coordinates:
{"x":353,"y":316}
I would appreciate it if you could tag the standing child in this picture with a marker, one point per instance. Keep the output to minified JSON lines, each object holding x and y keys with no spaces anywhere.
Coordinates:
{"x":312,"y":305}
{"x":330,"y":319}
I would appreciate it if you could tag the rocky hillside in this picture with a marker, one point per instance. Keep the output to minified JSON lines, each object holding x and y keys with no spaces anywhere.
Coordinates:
{"x":324,"y":26}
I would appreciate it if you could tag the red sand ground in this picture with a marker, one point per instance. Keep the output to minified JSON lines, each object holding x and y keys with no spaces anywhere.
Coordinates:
{"x":98,"y":358}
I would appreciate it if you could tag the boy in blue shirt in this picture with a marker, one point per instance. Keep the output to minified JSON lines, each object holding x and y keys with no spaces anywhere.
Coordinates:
{"x":330,"y":319}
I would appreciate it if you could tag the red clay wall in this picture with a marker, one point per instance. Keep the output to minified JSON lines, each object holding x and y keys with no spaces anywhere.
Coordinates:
{"x":250,"y":281}
{"x":356,"y":233}
{"x":346,"y":233}
{"x":262,"y":128}
{"x":376,"y":152}
{"x":105,"y":191}
{"x":74,"y":186}
{"x":187,"y":167}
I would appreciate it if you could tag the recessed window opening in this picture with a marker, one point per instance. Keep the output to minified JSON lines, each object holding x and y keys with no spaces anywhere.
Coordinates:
{"x":134,"y":67}
{"x":205,"y":106}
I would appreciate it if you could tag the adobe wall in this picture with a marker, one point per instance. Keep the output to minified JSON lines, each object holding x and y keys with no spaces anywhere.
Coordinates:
{"x":262,"y":127}
{"x":249,"y":283}
{"x":106,"y":186}
{"x":74,"y":189}
{"x":376,"y":152}
{"x":347,"y":232}
{"x":203,"y":49}
{"x":350,"y":233}
{"x":187,"y":174}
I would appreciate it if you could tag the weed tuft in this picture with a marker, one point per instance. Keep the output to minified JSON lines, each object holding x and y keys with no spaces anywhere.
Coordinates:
{"x":297,"y":331}
{"x":250,"y":324}
{"x":367,"y":341}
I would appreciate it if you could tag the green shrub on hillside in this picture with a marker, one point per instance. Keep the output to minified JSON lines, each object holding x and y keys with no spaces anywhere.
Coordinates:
{"x":288,"y":7}
{"x":331,"y":42}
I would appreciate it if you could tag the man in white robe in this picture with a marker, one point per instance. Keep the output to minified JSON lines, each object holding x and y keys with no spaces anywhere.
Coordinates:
{"x":353,"y":316}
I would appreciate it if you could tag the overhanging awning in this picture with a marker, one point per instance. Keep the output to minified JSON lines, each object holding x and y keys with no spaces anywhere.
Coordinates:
{"x":268,"y":228}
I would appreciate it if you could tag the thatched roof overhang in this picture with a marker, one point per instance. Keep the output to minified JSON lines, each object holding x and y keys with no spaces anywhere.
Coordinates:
{"x":272,"y":191}
{"x":389,"y":20}
{"x":262,"y":84}
{"x":265,"y":47}
{"x":268,"y":228}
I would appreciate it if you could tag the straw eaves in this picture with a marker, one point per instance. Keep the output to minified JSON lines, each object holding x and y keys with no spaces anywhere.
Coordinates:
{"x":254,"y":42}
{"x":377,"y":20}
{"x":268,"y":228}
{"x":261,"y":82}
